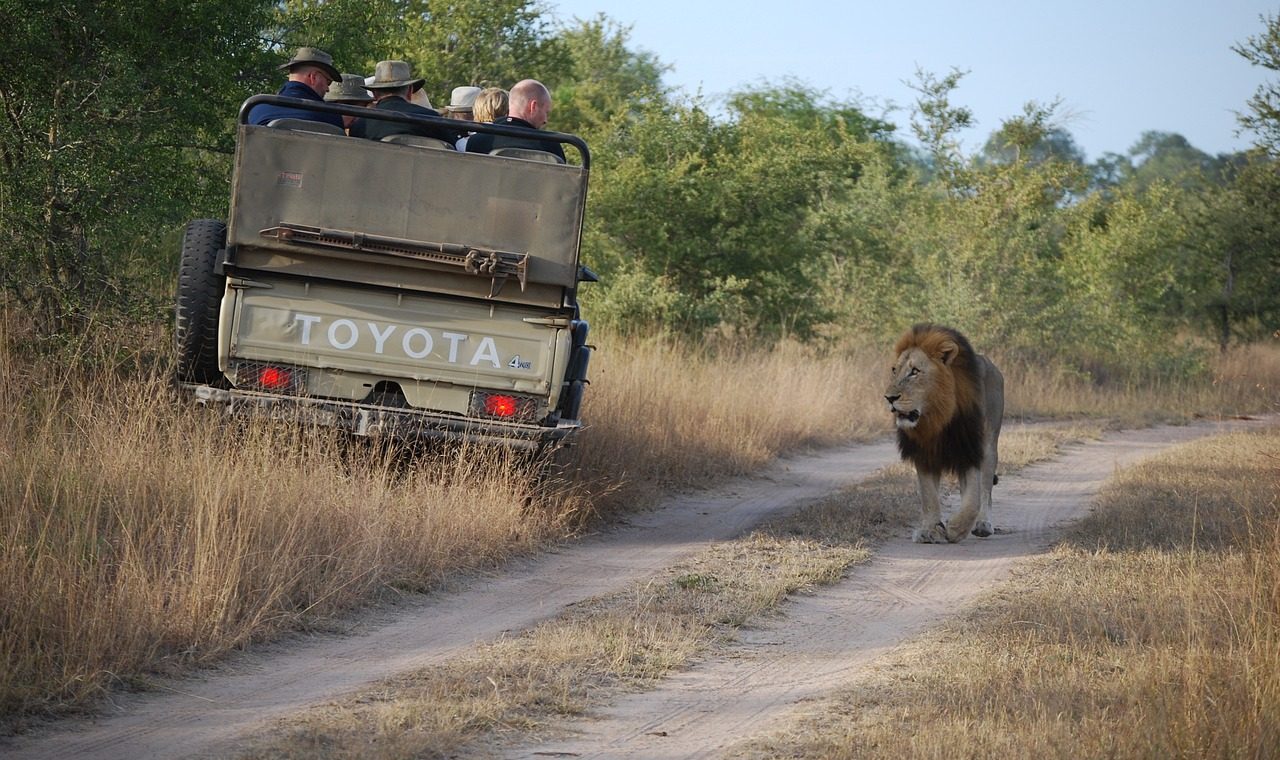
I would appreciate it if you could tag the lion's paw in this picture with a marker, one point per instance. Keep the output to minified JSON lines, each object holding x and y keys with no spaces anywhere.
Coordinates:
{"x":983,"y":529}
{"x":934,"y":534}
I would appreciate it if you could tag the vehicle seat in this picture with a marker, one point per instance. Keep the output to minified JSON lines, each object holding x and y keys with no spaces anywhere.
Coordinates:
{"x":305,"y":125}
{"x":527,"y":154}
{"x":418,"y":141}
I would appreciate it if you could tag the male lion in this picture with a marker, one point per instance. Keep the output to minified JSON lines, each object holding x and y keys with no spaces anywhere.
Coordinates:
{"x":949,"y":403}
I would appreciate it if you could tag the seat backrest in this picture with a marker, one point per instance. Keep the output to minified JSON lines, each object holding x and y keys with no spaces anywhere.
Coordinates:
{"x":527,"y":154}
{"x":418,"y":141}
{"x":305,"y":125}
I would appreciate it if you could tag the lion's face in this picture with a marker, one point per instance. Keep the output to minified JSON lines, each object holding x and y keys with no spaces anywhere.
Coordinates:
{"x":921,"y":390}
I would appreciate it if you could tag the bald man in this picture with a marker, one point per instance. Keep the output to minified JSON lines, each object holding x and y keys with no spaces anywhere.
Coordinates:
{"x":529,"y":107}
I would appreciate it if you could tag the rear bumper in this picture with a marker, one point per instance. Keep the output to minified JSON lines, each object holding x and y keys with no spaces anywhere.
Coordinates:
{"x":380,"y":421}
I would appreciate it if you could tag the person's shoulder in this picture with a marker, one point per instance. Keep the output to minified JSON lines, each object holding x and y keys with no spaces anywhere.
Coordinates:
{"x":480,"y":142}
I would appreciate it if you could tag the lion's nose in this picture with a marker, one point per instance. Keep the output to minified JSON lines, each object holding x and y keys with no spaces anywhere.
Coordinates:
{"x":893,"y":398}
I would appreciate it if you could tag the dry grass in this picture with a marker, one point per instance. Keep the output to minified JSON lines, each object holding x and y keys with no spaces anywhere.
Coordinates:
{"x":1154,"y":631}
{"x":143,"y":536}
{"x":1244,"y":381}
{"x":671,"y":415}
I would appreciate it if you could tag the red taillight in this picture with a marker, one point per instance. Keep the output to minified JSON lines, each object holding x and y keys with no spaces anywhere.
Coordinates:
{"x":274,"y":378}
{"x":508,"y":407}
{"x":500,"y":406}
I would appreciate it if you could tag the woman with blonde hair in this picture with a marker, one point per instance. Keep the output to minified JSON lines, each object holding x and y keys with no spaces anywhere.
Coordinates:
{"x":490,"y":105}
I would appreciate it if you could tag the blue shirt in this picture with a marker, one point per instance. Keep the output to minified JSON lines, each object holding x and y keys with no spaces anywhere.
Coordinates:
{"x":264,"y":113}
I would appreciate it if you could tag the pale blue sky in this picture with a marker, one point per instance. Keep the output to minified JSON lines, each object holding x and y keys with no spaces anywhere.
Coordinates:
{"x":1121,"y":67}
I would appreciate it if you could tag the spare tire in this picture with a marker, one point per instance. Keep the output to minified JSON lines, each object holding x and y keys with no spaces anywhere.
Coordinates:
{"x":200,"y":290}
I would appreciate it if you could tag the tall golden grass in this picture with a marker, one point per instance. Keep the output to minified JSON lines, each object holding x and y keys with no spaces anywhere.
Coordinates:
{"x":144,"y":536}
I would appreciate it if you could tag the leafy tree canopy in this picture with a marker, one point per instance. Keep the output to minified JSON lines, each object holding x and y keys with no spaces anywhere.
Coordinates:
{"x":606,"y":80}
{"x":1263,"y":115}
{"x":111,"y":110}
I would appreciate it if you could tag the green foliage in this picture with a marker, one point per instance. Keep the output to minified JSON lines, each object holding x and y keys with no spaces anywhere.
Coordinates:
{"x":791,"y":214}
{"x":1263,"y":117}
{"x":936,"y":122}
{"x":722,"y":211}
{"x":112,"y":115}
{"x":1032,"y":137}
{"x":447,"y":42}
{"x":1234,"y":276}
{"x":356,"y":33}
{"x":1119,"y":276}
{"x":1169,"y":158}
{"x":606,"y":81}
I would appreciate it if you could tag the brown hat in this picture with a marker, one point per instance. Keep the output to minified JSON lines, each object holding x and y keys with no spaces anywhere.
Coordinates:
{"x":349,"y":90}
{"x":391,"y":74}
{"x":309,"y":56}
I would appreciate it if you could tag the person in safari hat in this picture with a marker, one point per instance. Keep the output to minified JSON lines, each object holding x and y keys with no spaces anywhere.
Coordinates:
{"x":350,"y":91}
{"x":460,"y":102}
{"x":311,"y":70}
{"x":392,"y":85}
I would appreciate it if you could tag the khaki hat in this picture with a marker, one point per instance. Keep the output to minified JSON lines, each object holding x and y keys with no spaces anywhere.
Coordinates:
{"x":349,"y":90}
{"x":309,"y":56}
{"x":462,"y":98}
{"x":388,"y":75}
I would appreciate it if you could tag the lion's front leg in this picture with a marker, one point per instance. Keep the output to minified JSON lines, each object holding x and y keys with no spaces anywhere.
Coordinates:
{"x":970,"y":503}
{"x":930,"y":530}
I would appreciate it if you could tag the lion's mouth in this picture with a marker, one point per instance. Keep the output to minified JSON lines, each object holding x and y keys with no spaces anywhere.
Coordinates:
{"x":911,"y":416}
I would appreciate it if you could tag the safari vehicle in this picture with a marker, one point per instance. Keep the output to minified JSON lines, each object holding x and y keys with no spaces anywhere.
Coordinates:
{"x":395,"y":288}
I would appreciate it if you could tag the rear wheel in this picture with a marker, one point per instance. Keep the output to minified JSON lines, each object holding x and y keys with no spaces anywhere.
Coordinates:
{"x":200,"y":290}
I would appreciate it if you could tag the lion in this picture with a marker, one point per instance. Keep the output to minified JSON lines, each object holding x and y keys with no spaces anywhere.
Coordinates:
{"x":948,"y":403}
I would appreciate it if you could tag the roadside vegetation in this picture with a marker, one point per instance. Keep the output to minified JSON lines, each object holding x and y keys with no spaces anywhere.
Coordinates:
{"x":1152,"y":630}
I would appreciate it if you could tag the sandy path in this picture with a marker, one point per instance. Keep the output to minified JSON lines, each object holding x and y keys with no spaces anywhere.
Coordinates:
{"x":207,"y":717}
{"x":825,"y":639}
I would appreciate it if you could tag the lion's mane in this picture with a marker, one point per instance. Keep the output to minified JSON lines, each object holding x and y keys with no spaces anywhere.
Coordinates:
{"x":941,"y":443}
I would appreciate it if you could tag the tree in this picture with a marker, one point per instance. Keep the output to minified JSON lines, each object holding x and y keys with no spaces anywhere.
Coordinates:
{"x":110,"y":121}
{"x":1033,"y":138}
{"x":1169,"y":157}
{"x":809,"y":109}
{"x":720,"y":212}
{"x":936,"y":124}
{"x":606,"y":80}
{"x":447,"y":42}
{"x":477,"y":42}
{"x":1263,"y":117}
{"x":1236,"y":272}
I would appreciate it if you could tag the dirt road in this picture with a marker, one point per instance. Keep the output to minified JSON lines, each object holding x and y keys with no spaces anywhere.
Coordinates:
{"x":822,"y":641}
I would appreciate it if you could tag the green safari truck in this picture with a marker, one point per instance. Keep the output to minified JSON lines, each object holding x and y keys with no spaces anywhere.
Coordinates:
{"x":396,"y":288}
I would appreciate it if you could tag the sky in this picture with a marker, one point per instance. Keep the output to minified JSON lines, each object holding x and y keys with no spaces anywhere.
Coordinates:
{"x":1120,"y":67}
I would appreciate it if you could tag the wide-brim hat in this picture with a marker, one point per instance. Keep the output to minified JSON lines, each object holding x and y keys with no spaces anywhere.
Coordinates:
{"x":462,"y":98}
{"x":350,"y":89}
{"x":389,"y":75}
{"x":309,"y":56}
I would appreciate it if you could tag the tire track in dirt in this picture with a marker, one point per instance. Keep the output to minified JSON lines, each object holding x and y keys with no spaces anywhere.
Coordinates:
{"x":208,"y":715}
{"x":824,"y":640}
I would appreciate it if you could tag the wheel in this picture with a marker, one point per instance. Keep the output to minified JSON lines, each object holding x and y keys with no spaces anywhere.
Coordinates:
{"x":200,"y":291}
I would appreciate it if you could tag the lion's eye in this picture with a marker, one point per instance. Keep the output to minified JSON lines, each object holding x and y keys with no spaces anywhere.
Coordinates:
{"x":914,"y":371}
